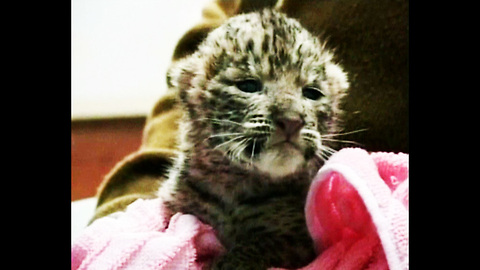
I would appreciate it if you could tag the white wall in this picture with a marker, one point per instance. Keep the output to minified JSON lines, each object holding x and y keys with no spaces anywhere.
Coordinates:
{"x":121,"y":50}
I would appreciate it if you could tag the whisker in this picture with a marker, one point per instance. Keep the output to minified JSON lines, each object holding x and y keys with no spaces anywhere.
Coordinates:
{"x":342,"y":141}
{"x":242,"y":146}
{"x":224,"y":135}
{"x":328,"y":152}
{"x":343,"y":133}
{"x":238,"y":134}
{"x":325,"y":152}
{"x":229,"y":141}
{"x":321,"y":157}
{"x":236,"y":150}
{"x":218,"y":121}
{"x":253,"y":151}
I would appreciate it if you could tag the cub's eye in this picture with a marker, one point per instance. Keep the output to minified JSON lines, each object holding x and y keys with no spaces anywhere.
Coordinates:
{"x":312,"y":93}
{"x":249,"y":86}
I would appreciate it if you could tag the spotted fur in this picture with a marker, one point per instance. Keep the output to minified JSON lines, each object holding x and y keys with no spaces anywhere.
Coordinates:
{"x":247,"y":157}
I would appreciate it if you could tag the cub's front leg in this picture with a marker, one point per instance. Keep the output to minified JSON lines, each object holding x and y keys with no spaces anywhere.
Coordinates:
{"x":265,"y":252}
{"x":241,"y":257}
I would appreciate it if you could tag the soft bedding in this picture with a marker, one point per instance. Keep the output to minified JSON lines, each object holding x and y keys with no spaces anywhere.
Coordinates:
{"x":357,"y":215}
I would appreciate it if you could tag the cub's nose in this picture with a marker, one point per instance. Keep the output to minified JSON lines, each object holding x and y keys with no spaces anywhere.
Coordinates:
{"x":289,"y":126}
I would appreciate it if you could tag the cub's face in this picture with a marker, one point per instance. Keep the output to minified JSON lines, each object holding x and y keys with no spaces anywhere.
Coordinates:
{"x":262,"y":91}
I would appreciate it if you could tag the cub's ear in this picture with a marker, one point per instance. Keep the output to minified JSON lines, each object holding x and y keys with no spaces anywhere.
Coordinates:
{"x":179,"y":74}
{"x":180,"y":77}
{"x":337,"y":79}
{"x":337,"y":83}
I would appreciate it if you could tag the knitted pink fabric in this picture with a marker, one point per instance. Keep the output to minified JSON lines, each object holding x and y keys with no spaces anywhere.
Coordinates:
{"x":142,"y":237}
{"x":357,"y":214}
{"x":357,"y":211}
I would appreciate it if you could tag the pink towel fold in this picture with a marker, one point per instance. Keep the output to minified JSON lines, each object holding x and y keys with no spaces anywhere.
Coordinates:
{"x":357,"y":211}
{"x":357,"y":214}
{"x":142,"y":237}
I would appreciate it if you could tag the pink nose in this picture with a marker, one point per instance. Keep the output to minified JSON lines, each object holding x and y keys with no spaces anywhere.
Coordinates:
{"x":289,"y":126}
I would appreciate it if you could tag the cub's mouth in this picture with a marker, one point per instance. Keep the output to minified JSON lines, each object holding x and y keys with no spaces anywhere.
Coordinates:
{"x":254,"y":150}
{"x":273,"y":147}
{"x":287,"y":145}
{"x":275,"y":157}
{"x":280,"y":160}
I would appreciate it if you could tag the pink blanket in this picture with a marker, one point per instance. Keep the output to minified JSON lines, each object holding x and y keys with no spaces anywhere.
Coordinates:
{"x":357,"y":214}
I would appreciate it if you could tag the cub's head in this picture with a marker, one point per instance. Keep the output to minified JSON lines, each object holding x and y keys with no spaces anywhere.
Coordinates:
{"x":261,"y":91}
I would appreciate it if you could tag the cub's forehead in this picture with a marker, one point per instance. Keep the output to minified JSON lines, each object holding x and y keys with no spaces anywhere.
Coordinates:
{"x":261,"y":33}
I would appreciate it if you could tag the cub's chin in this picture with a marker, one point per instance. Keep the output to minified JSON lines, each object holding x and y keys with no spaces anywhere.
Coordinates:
{"x":280,"y":160}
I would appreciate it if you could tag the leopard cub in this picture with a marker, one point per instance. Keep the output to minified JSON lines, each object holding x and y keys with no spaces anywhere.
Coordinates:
{"x":258,"y":96}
